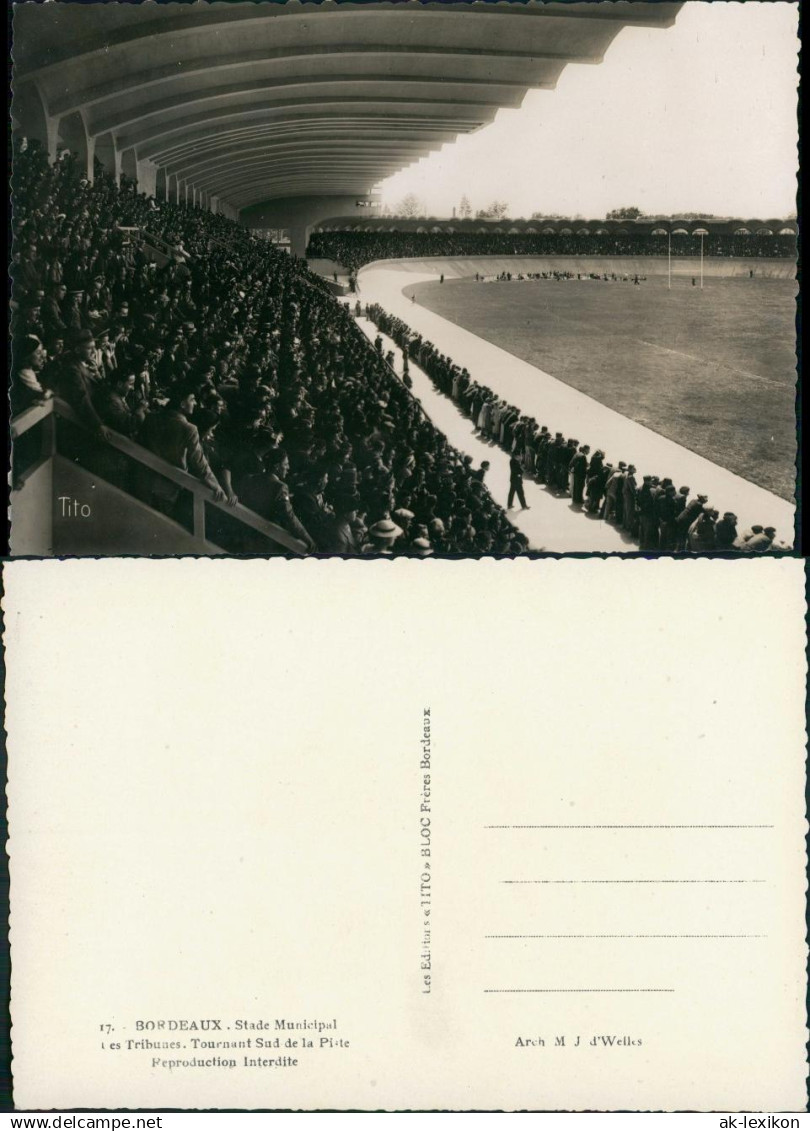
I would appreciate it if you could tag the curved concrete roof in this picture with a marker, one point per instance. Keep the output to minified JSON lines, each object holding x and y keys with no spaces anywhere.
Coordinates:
{"x":250,"y":102}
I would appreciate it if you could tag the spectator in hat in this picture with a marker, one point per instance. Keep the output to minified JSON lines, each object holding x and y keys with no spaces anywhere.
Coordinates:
{"x":630,"y":521}
{"x":381,"y":537}
{"x":77,"y":380}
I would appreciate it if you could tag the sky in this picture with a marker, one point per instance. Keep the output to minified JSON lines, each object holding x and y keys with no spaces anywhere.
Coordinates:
{"x":699,"y":117}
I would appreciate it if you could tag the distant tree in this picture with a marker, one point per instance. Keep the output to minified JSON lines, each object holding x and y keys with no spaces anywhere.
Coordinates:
{"x":464,"y":208}
{"x":411,"y":206}
{"x":494,"y":211}
{"x":631,"y":213}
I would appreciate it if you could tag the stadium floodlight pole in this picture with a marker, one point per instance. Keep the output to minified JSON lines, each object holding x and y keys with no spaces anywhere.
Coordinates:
{"x":701,"y":260}
{"x":669,"y":260}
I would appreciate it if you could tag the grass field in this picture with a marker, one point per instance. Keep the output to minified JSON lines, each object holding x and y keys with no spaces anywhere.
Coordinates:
{"x":714,"y":370}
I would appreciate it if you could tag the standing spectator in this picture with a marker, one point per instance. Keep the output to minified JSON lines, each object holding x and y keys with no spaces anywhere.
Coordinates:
{"x":579,"y":470}
{"x":597,"y":485}
{"x":648,"y":525}
{"x":630,"y":495}
{"x":540,"y":457}
{"x":687,"y":516}
{"x":516,"y":484}
{"x":681,"y":499}
{"x":567,"y":457}
{"x":553,"y":460}
{"x":614,"y":488}
{"x":665,"y":509}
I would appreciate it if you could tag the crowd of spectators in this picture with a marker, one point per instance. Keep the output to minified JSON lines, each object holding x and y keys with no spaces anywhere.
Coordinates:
{"x":651,"y":509}
{"x":232,"y":362}
{"x":355,"y":249}
{"x":560,"y":277}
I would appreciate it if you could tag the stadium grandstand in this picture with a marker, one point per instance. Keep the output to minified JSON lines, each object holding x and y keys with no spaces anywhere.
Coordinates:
{"x":355,"y":244}
{"x":184,"y":382}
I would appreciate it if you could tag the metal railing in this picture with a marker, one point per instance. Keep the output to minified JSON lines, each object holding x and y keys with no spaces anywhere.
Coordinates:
{"x":160,"y":244}
{"x":140,"y":236}
{"x":43,"y":431}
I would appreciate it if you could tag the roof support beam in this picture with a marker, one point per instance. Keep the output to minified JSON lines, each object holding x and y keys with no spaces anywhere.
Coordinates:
{"x":151,"y":77}
{"x":471,"y":116}
{"x":361,"y":174}
{"x":353,"y":147}
{"x":309,"y":127}
{"x":444,"y":95}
